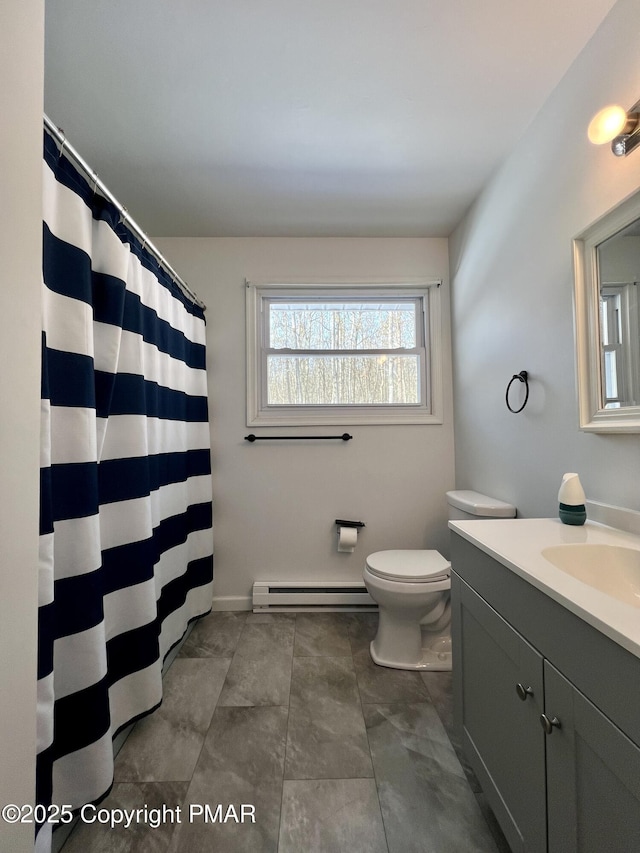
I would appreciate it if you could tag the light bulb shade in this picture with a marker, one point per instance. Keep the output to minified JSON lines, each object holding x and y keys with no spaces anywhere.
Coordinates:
{"x":610,"y":122}
{"x":571,"y":492}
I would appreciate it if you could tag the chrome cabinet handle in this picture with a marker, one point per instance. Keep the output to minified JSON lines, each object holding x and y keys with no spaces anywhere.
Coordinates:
{"x":549,"y":725}
{"x":523,"y":691}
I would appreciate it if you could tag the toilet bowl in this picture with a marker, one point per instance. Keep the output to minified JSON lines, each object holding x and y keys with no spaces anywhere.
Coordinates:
{"x":412,"y":591}
{"x":410,"y":587}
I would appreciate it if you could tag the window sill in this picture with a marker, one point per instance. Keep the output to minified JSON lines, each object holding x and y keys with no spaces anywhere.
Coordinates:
{"x":343,"y":417}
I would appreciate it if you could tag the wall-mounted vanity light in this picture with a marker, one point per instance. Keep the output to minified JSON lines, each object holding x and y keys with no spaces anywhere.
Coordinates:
{"x":618,"y":126}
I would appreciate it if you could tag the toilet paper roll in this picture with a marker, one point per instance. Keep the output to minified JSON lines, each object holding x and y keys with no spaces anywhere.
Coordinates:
{"x":347,"y":539}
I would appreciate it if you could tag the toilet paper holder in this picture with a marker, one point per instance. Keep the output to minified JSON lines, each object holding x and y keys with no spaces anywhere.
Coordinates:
{"x":348,"y":534}
{"x":341,"y":522}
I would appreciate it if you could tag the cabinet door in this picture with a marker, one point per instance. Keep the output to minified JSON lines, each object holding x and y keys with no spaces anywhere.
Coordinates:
{"x":593,"y":775}
{"x":500,"y":727}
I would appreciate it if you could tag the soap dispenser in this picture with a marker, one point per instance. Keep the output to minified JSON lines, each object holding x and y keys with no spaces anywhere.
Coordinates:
{"x":571,"y":499}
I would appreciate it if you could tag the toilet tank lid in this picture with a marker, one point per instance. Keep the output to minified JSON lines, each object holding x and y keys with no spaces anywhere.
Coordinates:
{"x":478,"y":504}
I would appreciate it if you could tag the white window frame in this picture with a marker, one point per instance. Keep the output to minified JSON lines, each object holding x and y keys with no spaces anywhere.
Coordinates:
{"x":259,"y":413}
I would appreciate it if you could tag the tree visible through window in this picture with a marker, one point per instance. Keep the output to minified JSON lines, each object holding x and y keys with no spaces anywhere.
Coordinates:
{"x":345,"y":353}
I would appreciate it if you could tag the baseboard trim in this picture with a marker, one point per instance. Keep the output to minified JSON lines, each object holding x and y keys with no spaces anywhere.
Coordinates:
{"x":232,"y":602}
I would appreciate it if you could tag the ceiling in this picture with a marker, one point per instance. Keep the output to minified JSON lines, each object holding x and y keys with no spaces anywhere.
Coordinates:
{"x":304,"y":117}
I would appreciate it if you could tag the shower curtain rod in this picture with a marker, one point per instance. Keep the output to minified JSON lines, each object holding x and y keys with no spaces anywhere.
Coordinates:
{"x":65,"y":146}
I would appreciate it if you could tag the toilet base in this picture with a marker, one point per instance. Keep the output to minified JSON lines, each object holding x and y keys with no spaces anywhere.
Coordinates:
{"x":436,"y":655}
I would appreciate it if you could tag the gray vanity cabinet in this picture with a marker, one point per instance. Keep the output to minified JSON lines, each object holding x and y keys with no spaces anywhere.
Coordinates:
{"x":522,"y":660}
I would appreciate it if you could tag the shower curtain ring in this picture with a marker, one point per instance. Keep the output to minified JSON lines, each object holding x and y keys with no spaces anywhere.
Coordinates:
{"x":95,"y":182}
{"x":63,"y":141}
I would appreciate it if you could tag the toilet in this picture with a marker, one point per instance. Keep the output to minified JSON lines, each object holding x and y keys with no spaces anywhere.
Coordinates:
{"x":412,"y":591}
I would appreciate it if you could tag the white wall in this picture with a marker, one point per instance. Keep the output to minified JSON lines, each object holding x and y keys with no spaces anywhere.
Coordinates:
{"x":275,"y":504}
{"x":512,"y":280}
{"x":21,"y":72}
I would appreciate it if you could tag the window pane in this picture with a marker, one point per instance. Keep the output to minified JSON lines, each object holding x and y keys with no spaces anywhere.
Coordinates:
{"x":343,"y":380}
{"x":342,"y":325}
{"x":610,"y":375}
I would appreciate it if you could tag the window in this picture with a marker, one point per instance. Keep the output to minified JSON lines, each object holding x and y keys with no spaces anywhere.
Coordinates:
{"x":619,"y":328}
{"x":343,"y":353}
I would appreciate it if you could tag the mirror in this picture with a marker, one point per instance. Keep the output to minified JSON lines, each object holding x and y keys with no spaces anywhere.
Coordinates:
{"x":607,"y":314}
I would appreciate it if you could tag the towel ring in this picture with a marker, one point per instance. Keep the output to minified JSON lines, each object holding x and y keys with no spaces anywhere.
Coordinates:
{"x":523,"y":376}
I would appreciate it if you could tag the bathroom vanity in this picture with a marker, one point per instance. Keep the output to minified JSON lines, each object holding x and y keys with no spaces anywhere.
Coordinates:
{"x":546,"y":675}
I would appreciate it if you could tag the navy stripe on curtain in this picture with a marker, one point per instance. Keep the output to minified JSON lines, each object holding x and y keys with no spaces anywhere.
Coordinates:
{"x":126,"y":553}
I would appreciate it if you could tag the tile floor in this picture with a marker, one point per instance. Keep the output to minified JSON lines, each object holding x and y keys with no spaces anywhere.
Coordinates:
{"x":287,"y":713}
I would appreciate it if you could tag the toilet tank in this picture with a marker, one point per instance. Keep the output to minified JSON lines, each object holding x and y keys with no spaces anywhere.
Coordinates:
{"x":466,"y":504}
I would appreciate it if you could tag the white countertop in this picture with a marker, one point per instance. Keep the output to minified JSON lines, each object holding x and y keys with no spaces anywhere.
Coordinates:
{"x":518,"y":543}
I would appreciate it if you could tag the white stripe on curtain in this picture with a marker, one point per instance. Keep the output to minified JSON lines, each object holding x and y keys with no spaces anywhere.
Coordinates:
{"x":171,"y":436}
{"x":126,"y":436}
{"x":126,"y":555}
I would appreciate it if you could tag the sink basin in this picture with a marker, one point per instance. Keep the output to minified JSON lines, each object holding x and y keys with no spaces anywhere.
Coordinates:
{"x":611,"y":569}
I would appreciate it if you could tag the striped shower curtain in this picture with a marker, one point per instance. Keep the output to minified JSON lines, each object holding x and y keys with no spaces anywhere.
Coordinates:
{"x":126,"y":529}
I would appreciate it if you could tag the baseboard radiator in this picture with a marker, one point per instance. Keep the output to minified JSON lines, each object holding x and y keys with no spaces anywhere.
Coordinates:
{"x":309,"y":596}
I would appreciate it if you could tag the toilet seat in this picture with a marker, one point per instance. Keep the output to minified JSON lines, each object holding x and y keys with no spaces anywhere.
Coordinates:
{"x":409,"y":566}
